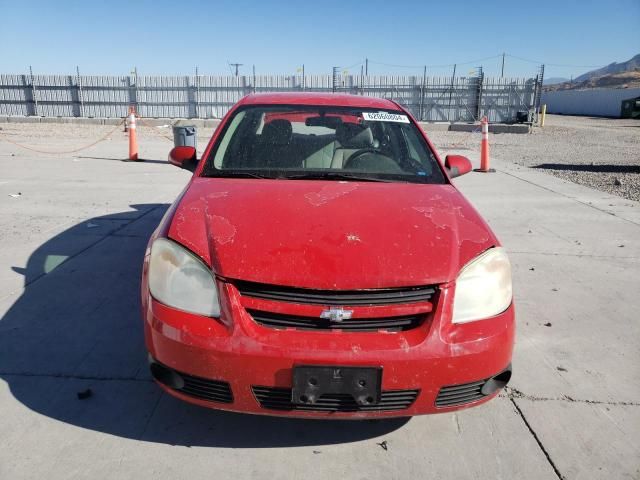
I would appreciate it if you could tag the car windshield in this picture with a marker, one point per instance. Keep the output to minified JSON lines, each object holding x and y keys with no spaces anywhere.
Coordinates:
{"x":323,"y":143}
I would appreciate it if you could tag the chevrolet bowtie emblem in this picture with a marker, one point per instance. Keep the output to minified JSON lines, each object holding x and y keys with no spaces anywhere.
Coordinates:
{"x":336,"y":314}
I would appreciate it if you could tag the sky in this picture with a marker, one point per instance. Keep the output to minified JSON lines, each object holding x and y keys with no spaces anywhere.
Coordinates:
{"x":398,"y":37}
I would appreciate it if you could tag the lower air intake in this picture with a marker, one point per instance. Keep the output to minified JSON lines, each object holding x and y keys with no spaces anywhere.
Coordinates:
{"x":459,"y":394}
{"x":280,"y":399}
{"x":192,"y":386}
{"x":470,"y":392}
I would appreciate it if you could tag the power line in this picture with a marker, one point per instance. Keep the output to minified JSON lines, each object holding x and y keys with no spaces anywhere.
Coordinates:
{"x":351,"y":66}
{"x":394,"y":65}
{"x":502,"y":55}
{"x":554,"y":64}
{"x":354,"y":65}
{"x":233,"y":67}
{"x":435,"y":66}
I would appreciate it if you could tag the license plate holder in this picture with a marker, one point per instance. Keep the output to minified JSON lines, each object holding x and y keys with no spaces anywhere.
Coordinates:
{"x":310,"y":382}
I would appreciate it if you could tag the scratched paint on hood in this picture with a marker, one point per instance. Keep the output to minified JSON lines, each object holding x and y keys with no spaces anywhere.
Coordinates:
{"x":331,"y":235}
{"x":223,"y":230}
{"x":330,"y":192}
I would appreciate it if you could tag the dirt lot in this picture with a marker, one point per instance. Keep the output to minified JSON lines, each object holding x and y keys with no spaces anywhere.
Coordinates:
{"x":599,"y":153}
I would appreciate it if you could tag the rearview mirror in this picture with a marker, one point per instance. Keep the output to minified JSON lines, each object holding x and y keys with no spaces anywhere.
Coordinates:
{"x":184,"y":157}
{"x":457,"y":165}
{"x":323,"y":121}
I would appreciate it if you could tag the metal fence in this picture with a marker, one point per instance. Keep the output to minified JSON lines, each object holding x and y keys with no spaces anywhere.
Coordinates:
{"x":446,"y":99}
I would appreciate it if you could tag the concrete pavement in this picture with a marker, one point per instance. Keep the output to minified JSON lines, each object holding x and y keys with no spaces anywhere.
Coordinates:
{"x":69,"y":320}
{"x":576,"y":259}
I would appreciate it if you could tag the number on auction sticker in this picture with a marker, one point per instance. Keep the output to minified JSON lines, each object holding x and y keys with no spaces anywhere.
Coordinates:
{"x":385,"y":117}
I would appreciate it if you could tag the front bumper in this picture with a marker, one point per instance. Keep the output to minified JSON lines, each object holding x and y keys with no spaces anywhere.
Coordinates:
{"x":435,"y":358}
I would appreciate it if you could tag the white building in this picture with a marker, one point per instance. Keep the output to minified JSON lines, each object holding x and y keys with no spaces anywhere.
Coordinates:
{"x":595,"y":102}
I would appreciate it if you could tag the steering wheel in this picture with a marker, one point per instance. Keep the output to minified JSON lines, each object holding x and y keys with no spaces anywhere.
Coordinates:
{"x":364,"y":151}
{"x":380,"y":162}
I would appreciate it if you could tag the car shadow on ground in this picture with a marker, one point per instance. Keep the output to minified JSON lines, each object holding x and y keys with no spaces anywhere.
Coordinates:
{"x":76,"y":329}
{"x":144,"y":160}
{"x":597,"y":167}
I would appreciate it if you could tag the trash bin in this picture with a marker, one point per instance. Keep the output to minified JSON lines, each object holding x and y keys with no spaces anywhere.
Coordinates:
{"x":522,"y":116}
{"x":184,"y":136}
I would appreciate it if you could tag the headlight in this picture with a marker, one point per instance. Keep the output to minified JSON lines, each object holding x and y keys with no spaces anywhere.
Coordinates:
{"x":483,"y":287}
{"x":180,"y":280}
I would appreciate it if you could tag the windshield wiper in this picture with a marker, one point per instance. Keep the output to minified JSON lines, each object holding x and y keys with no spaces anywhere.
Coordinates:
{"x":236,"y":175}
{"x":337,"y":176}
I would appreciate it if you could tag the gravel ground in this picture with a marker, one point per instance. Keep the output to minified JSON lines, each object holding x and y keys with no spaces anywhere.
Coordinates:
{"x":56,"y":137}
{"x":599,"y":153}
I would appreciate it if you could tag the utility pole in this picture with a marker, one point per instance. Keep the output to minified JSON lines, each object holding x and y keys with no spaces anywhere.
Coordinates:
{"x":197,"y":99}
{"x":538,"y":93}
{"x":236,"y":65}
{"x":33,"y":92}
{"x":79,"y":85}
{"x":479,"y":93}
{"x":424,"y":81}
{"x":502,"y":71}
{"x":453,"y":79}
{"x":366,"y":66}
{"x":335,"y":79}
{"x":253,"y":72}
{"x":133,"y":88}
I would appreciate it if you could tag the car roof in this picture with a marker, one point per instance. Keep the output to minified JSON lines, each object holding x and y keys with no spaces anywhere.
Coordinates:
{"x":318,"y":98}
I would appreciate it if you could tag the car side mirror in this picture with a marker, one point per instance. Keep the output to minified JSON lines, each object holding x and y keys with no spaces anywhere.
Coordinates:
{"x":184,"y":157}
{"x":457,"y":165}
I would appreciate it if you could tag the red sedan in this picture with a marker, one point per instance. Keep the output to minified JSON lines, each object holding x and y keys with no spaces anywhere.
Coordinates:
{"x":320,"y":263}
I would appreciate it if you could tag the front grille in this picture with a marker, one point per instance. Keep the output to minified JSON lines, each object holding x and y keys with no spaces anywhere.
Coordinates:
{"x":281,"y":321}
{"x":387,"y":296}
{"x":460,"y":394}
{"x":280,"y":399}
{"x":197,"y":387}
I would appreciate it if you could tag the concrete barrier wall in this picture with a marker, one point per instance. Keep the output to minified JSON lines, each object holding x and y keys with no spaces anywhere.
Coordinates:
{"x":595,"y":102}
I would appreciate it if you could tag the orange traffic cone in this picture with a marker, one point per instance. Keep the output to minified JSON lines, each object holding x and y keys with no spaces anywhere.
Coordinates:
{"x":484,"y":148}
{"x":133,"y":141}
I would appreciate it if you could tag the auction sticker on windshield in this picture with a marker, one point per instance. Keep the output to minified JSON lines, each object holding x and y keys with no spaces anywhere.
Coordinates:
{"x":385,"y":117}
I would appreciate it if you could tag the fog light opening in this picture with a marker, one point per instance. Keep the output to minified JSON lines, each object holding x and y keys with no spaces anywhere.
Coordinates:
{"x":497,"y":382}
{"x":166,"y":376}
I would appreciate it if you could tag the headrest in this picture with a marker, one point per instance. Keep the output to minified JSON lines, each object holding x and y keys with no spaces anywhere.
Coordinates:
{"x":352,"y":135}
{"x":277,"y":132}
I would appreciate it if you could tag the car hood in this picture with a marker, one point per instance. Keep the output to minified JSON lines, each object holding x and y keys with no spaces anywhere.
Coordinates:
{"x":329,"y":234}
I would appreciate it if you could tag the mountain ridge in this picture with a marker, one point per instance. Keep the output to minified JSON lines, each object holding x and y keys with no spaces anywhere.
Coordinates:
{"x":615,"y":75}
{"x":630,"y":65}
